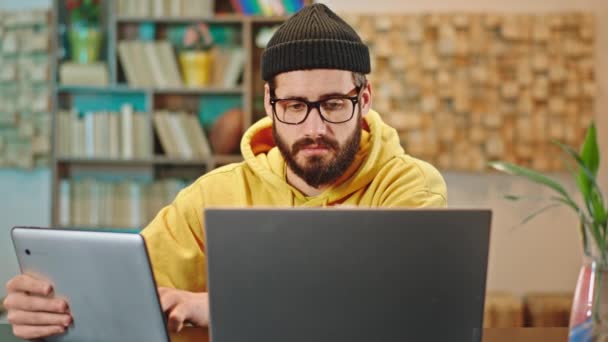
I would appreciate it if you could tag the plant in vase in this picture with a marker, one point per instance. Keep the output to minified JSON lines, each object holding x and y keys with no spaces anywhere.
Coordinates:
{"x":196,"y":56}
{"x":84,"y":33}
{"x":589,"y":316}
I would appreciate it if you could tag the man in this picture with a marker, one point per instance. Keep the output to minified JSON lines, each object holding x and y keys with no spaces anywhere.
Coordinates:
{"x":321,"y":145}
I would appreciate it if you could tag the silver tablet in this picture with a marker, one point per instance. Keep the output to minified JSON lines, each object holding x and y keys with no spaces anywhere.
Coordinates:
{"x":105,"y":276}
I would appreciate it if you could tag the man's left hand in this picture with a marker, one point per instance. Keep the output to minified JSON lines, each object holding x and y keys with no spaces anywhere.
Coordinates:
{"x":184,"y":307}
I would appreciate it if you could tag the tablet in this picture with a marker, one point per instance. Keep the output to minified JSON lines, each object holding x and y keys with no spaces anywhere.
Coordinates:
{"x":106,"y":277}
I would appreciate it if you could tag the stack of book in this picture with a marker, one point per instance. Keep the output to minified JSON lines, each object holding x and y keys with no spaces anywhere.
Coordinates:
{"x":78,"y":74}
{"x":153,"y":64}
{"x":181,"y":135}
{"x":90,"y":202}
{"x":149,"y":64}
{"x":228,"y":65}
{"x":112,"y":135}
{"x":165,"y":8}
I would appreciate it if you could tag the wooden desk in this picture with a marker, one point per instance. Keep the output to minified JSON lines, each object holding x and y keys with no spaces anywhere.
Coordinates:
{"x":489,"y":335}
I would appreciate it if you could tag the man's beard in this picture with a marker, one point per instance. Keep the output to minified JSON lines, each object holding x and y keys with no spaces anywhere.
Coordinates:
{"x":317,"y":171}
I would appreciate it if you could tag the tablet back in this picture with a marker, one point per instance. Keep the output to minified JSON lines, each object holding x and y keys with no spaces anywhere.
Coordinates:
{"x":105,"y":276}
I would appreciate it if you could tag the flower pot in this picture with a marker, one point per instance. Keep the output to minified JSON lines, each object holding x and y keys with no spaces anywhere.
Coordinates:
{"x":589,"y":315}
{"x":196,"y":67}
{"x":85,"y":43}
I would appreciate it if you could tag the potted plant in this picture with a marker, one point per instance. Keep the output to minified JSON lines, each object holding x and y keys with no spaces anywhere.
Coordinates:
{"x":84,"y":33}
{"x":589,"y":315}
{"x":196,"y":56}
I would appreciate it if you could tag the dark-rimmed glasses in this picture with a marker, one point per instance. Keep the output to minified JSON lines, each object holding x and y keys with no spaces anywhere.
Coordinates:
{"x":334,"y":109}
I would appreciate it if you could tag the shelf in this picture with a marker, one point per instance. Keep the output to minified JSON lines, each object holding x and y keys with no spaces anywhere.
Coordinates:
{"x":199,"y":91}
{"x":268,"y":20}
{"x":218,"y":19}
{"x":228,"y":19}
{"x":99,"y":89}
{"x":131,"y":162}
{"x":148,"y":99}
{"x":129,"y":90}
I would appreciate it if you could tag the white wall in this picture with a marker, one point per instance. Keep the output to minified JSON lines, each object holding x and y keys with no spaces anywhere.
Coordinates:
{"x":24,"y":196}
{"x":545,"y":254}
{"x":24,"y":200}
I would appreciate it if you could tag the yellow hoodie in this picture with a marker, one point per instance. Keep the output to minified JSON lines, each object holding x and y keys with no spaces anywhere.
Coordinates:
{"x":382,"y":175}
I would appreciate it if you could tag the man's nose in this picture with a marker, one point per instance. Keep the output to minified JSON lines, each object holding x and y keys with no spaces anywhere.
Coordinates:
{"x":314,"y":125}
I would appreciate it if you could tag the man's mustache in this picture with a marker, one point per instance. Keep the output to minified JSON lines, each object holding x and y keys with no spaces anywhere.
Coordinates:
{"x":323,"y":142}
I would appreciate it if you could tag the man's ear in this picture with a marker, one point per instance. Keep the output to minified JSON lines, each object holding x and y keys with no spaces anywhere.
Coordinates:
{"x":365,"y":99}
{"x":267,"y":105}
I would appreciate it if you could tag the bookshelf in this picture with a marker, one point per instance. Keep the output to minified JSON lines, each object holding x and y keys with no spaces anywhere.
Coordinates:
{"x":87,"y":160}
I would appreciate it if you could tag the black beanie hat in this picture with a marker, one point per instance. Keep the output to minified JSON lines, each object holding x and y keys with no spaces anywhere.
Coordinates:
{"x":314,"y":38}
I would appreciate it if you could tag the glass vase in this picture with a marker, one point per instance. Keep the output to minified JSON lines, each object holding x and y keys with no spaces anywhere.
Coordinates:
{"x":589,"y":315}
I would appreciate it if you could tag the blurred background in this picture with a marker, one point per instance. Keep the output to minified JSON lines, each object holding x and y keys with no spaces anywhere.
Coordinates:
{"x":108,"y":108}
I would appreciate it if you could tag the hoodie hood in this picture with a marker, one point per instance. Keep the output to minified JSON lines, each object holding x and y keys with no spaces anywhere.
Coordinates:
{"x":379,"y":144}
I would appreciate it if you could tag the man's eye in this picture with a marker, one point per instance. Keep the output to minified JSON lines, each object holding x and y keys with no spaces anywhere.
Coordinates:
{"x":296,"y":106}
{"x":333,"y":105}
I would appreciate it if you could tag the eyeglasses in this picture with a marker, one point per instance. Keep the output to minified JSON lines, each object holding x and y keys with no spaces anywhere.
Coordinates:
{"x":334,"y":109}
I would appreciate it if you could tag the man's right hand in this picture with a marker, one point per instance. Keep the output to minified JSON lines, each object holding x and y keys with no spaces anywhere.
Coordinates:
{"x":33,"y":310}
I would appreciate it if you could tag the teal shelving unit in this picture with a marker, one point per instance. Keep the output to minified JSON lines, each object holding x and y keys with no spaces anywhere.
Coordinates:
{"x":207,"y":103}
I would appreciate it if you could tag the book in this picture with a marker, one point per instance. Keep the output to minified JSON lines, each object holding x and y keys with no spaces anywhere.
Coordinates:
{"x":64,"y":201}
{"x":113,"y":133}
{"x":127,"y":62}
{"x":91,"y":74}
{"x":126,"y":132}
{"x":161,"y":126}
{"x":178,"y":134}
{"x":142,"y":139}
{"x":149,"y":64}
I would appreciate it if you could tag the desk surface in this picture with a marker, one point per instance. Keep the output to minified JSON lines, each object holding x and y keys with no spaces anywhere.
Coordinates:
{"x":489,"y":335}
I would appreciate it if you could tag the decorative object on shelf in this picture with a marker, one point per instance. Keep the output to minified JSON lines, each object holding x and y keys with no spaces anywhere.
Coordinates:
{"x":267,"y":7}
{"x":225,"y":136}
{"x":85,"y":34}
{"x":501,"y":85}
{"x":196,"y":56}
{"x":589,"y":316}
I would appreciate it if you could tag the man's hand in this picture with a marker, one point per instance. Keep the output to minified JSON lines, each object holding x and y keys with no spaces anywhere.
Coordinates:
{"x":33,"y":310}
{"x":184,"y":307}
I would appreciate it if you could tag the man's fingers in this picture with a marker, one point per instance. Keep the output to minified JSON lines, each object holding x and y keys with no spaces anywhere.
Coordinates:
{"x":176,"y":319}
{"x":19,"y":317}
{"x":28,"y":332}
{"x":168,"y":299}
{"x":27,"y":283}
{"x":21,"y":301}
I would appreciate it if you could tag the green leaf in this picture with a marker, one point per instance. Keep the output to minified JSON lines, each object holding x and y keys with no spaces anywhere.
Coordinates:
{"x":531,"y":175}
{"x":540,"y":211}
{"x":590,"y":159}
{"x":590,"y":151}
{"x":588,"y":186}
{"x":520,"y":198}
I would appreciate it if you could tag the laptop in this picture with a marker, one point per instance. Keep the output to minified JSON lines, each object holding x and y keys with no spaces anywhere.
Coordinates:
{"x":346,"y":274}
{"x":106,"y":277}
